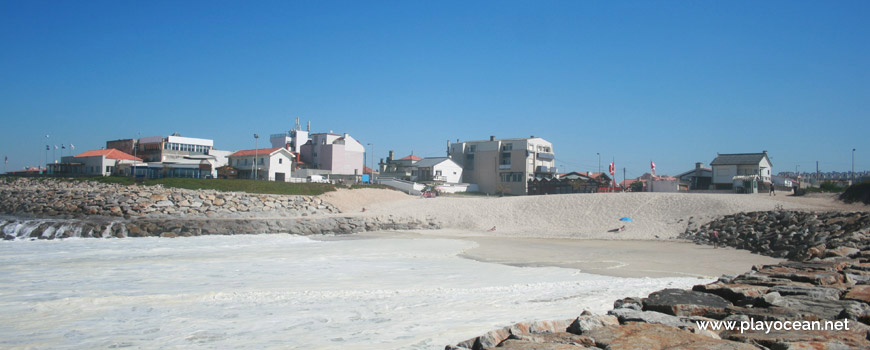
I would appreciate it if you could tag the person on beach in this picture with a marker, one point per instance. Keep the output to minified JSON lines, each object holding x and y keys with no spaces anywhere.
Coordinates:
{"x":715,"y":239}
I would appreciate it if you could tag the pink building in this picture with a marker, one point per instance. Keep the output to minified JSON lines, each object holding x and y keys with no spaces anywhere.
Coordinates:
{"x":340,"y":154}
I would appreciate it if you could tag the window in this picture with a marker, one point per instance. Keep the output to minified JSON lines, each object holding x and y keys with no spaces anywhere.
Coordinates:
{"x":437,"y":172}
{"x":472,"y":148}
{"x":507,"y":147}
{"x":261,"y":161}
{"x":280,"y":160}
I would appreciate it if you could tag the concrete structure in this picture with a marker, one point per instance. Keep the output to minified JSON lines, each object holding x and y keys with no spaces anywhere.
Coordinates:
{"x":663,"y":184}
{"x":506,"y":165}
{"x":273,"y":164}
{"x":103,"y":162}
{"x":728,"y":167}
{"x":700,"y":178}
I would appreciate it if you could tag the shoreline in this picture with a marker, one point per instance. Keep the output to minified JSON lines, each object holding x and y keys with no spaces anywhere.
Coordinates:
{"x":613,"y":258}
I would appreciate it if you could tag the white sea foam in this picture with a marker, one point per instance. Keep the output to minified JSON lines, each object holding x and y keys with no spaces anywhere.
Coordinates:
{"x":278,"y":292}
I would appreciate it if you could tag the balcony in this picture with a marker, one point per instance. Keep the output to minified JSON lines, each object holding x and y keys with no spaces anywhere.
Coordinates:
{"x":546,"y":156}
{"x":546,"y":170}
{"x":504,"y":166}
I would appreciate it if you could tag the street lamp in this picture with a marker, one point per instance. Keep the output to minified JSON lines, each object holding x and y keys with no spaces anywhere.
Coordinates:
{"x":853,"y":168}
{"x":372,"y":169}
{"x":599,"y":162}
{"x":256,"y":153}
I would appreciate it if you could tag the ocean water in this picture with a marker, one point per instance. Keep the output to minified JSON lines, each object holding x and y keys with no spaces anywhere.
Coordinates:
{"x":279,"y":292}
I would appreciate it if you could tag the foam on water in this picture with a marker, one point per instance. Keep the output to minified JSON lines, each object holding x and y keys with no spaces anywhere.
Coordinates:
{"x":278,"y":292}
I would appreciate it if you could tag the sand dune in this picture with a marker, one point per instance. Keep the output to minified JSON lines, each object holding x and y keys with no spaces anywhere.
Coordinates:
{"x":654,"y":215}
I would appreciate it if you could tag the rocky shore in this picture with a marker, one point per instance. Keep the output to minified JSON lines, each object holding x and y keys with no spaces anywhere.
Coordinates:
{"x":52,"y":208}
{"x":831,"y":289}
{"x":794,"y":235}
{"x":828,"y":281}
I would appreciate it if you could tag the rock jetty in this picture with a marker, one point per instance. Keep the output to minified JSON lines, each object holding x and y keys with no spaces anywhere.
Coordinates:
{"x":53,"y":208}
{"x":794,"y":235}
{"x":52,"y":197}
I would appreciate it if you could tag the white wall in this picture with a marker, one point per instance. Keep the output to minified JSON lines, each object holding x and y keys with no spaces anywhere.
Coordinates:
{"x":723,"y":174}
{"x":663,"y":186}
{"x":450,"y":170}
{"x":409,"y":187}
{"x":280,"y":162}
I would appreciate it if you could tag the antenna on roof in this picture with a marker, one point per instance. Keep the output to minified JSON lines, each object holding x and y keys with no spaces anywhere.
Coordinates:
{"x":298,"y":127}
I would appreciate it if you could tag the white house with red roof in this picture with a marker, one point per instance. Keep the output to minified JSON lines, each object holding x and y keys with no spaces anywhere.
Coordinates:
{"x":101,"y":162}
{"x":273,"y":164}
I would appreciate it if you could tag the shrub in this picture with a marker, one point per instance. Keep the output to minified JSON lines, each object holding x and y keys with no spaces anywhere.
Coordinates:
{"x":859,"y":192}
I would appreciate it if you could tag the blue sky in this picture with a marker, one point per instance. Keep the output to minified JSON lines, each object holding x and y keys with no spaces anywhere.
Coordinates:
{"x":670,"y":81}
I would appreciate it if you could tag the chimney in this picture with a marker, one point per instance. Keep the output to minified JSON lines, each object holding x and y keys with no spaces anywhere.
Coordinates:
{"x":531,"y":137}
{"x":699,"y":165}
{"x":345,"y":135}
{"x":448,"y":148}
{"x":309,"y":126}
{"x":492,"y":138}
{"x":390,"y":157}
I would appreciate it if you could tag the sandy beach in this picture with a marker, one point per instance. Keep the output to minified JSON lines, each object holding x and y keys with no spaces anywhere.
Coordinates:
{"x":655,"y":216}
{"x":577,"y":230}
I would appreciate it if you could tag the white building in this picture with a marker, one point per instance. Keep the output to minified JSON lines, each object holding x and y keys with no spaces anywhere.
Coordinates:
{"x":273,"y":164}
{"x":103,"y":162}
{"x":729,"y":169}
{"x":441,"y":169}
{"x":506,"y":165}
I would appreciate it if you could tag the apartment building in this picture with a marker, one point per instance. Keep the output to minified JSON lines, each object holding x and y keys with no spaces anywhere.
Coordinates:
{"x":504,"y":165}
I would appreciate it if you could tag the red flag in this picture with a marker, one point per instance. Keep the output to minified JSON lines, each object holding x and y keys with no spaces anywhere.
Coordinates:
{"x":612,"y":169}
{"x":652,"y":166}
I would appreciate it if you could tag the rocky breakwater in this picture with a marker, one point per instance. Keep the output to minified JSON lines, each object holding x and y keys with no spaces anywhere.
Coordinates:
{"x":794,"y":235}
{"x":51,"y":208}
{"x":822,"y":298}
{"x":70,"y":199}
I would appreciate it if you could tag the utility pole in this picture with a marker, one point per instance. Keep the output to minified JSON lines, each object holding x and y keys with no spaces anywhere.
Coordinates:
{"x":599,"y":162}
{"x":372,"y":173}
{"x":852,"y":182}
{"x":817,"y":171}
{"x":623,"y":179}
{"x":256,"y":154}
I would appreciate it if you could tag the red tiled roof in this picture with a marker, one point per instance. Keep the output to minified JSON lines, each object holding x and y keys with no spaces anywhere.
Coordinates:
{"x":411,"y":157}
{"x":251,"y":152}
{"x":109,"y":153}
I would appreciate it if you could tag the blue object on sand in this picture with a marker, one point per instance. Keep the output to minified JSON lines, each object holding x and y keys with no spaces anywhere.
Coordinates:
{"x":625,"y":218}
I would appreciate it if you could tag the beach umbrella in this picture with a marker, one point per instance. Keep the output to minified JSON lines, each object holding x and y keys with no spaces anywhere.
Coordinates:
{"x":625,"y":218}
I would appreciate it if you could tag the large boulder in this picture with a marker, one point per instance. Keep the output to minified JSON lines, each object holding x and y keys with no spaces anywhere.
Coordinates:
{"x":646,"y":336}
{"x":679,"y":302}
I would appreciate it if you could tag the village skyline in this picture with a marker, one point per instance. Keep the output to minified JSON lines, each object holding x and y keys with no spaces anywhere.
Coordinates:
{"x":635,"y":82}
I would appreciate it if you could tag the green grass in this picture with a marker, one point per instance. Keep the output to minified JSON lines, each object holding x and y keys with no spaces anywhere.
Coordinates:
{"x":249,"y":186}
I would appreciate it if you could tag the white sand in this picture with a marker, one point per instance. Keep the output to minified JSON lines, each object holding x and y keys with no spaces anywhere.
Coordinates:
{"x":586,"y":216}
